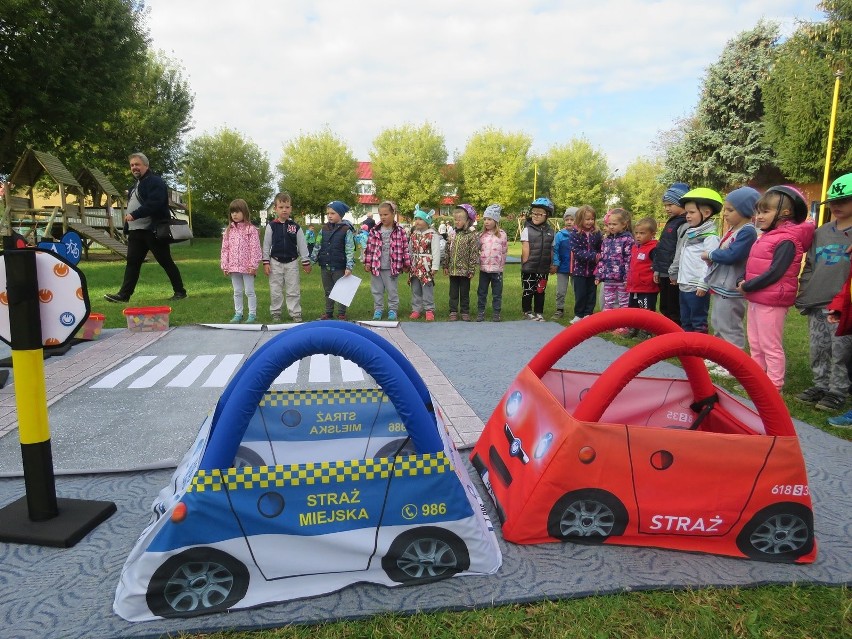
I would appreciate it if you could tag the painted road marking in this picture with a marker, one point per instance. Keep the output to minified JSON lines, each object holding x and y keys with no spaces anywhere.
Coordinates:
{"x":289,"y":375}
{"x":192,"y":372}
{"x":223,"y":371}
{"x":140,"y":373}
{"x":350,"y":371}
{"x":116,"y":377}
{"x":158,"y":372}
{"x":320,"y":369}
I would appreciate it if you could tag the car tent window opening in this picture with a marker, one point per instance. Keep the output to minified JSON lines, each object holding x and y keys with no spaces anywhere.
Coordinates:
{"x":714,"y":412}
{"x":242,"y":396}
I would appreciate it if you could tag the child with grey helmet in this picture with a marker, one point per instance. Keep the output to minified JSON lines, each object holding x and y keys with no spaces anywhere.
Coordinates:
{"x":772,"y":273}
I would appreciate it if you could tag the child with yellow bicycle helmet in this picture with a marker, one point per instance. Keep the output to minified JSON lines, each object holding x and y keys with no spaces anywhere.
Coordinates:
{"x":688,"y":269}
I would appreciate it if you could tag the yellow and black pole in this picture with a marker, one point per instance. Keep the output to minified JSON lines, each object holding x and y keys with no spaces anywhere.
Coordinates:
{"x":38,"y":518}
{"x":30,"y":393}
{"x":827,"y":169}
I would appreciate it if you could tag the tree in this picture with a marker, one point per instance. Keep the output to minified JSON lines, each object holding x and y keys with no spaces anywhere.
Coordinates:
{"x":408,"y":165}
{"x":495,"y":167}
{"x":315,"y":169}
{"x":575,"y":174}
{"x":798,"y":92}
{"x":640,"y":190}
{"x":65,"y":67}
{"x":154,"y":118}
{"x":725,"y":143}
{"x":224,"y":166}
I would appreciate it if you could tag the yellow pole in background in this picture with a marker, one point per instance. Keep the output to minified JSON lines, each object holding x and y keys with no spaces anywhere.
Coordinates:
{"x":189,"y":198}
{"x":827,"y":171}
{"x":535,"y":177}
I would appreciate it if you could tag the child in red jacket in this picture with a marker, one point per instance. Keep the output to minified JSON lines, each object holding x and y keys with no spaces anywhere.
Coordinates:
{"x":641,"y":289}
{"x":840,"y":313}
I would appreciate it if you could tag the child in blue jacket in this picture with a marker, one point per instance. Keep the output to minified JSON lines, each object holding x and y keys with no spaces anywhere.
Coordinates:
{"x":562,"y":259}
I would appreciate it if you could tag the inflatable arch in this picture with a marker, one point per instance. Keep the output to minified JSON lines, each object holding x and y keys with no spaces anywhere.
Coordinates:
{"x":385,"y":364}
{"x":623,"y":459}
{"x":316,"y":505}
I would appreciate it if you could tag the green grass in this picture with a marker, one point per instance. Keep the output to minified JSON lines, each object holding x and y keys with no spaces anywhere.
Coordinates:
{"x":774,"y":611}
{"x":769,"y":612}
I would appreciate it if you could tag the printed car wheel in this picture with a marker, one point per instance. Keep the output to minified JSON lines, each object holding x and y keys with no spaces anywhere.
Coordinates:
{"x":247,"y":458}
{"x":197,"y":582}
{"x":781,"y":532}
{"x":587,"y":516}
{"x":425,"y":554}
{"x":398,"y":447}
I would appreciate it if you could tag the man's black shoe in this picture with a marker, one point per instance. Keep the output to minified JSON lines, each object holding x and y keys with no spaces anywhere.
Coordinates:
{"x":177,"y":296}
{"x":115,"y":297}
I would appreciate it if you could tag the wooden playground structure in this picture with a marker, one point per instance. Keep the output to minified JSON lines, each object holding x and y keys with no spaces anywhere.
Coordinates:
{"x":101,"y":223}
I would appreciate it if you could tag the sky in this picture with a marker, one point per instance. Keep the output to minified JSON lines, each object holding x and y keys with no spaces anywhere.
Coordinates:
{"x":615,"y":72}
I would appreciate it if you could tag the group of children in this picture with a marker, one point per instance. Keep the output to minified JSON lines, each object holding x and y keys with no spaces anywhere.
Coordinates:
{"x":752,"y":272}
{"x":387,"y":252}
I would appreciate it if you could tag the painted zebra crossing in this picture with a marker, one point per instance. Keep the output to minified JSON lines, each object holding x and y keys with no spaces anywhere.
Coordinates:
{"x":214,"y":371}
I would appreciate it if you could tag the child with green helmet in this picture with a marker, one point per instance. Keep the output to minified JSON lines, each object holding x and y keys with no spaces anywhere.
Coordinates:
{"x":688,"y":269}
{"x":823,"y":276}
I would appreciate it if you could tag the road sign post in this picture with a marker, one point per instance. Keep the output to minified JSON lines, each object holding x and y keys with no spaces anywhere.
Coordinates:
{"x":39,"y":517}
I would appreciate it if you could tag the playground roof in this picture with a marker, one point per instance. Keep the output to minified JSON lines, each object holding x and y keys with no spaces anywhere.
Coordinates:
{"x":94,"y":180}
{"x":32,"y":164}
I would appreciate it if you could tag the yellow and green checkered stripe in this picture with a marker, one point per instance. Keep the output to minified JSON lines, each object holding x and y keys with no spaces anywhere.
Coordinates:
{"x":322,"y":398}
{"x":320,"y":472}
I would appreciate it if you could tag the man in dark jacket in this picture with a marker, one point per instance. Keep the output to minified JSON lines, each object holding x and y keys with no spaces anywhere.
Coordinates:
{"x":147,"y":205}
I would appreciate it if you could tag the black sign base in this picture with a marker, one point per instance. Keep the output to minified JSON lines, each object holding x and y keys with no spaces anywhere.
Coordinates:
{"x":77,"y":517}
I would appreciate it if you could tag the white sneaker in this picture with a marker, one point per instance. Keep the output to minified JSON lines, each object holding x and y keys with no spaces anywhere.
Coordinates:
{"x":539,"y":317}
{"x":576,"y":319}
{"x":529,"y":316}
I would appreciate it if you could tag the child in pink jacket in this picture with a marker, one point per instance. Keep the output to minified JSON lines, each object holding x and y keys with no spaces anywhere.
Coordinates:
{"x":493,"y":247}
{"x":241,"y":254}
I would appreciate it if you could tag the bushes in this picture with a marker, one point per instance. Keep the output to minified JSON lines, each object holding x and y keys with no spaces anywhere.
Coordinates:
{"x":206,"y":225}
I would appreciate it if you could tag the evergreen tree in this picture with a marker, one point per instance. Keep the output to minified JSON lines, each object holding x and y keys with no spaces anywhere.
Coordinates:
{"x":724,"y":143}
{"x":798,"y":94}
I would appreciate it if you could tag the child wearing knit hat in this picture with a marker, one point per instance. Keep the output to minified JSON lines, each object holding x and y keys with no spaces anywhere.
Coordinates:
{"x":665,"y":251}
{"x":562,"y":259}
{"x":493,"y":248}
{"x":460,"y":261}
{"x":425,"y":246}
{"x":727,"y":266}
{"x":335,"y":254}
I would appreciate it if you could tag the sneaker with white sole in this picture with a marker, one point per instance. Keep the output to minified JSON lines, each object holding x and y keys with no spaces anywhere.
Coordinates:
{"x":841,"y":421}
{"x":529,"y":316}
{"x":576,"y":319}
